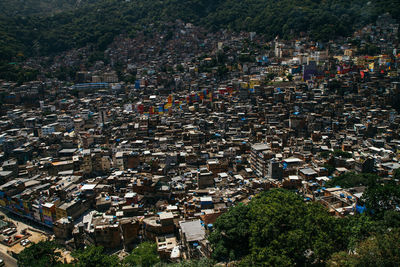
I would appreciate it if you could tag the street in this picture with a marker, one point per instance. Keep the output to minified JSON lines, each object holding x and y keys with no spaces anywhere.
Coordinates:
{"x":8,"y":260}
{"x":21,"y":224}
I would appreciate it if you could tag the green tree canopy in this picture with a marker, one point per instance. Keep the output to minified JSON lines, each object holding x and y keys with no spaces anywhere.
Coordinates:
{"x":281,"y":230}
{"x":41,"y":254}
{"x":230,"y":238}
{"x":396,"y":174}
{"x":352,"y":179}
{"x":381,"y":198}
{"x":143,"y":255}
{"x":378,"y":250}
{"x":203,"y":262}
{"x":93,"y":256}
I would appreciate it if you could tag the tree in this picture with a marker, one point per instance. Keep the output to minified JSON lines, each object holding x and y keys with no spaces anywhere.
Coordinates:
{"x":41,"y":254}
{"x":203,"y":262}
{"x":391,"y":219}
{"x":378,"y":250}
{"x":358,"y":228}
{"x":325,"y":154}
{"x":330,"y":168}
{"x":396,"y":174}
{"x":143,"y":255}
{"x":230,"y":239}
{"x":281,"y":229}
{"x":343,"y":259}
{"x":352,"y":179}
{"x":340,"y":153}
{"x":285,"y":230}
{"x":93,"y":256}
{"x":180,"y":68}
{"x":381,"y":198}
{"x":271,"y":76}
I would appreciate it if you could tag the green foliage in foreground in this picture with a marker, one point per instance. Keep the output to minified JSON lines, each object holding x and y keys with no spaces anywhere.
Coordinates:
{"x":144,"y":255}
{"x":231,"y":235}
{"x":94,"y":256}
{"x":204,"y":262}
{"x":41,"y":254}
{"x":380,"y":199}
{"x":396,"y":174}
{"x":378,"y":250}
{"x":278,"y":229}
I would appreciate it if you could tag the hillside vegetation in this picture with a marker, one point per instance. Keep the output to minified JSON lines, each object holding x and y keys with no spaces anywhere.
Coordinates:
{"x":99,"y":21}
{"x":38,"y":7}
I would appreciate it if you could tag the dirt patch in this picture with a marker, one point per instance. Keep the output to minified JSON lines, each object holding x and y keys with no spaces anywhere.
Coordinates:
{"x":34,"y":237}
{"x":67,"y":258}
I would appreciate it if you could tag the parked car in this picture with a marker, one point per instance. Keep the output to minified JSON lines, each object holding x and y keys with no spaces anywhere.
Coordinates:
{"x":11,"y":231}
{"x":25,"y":242}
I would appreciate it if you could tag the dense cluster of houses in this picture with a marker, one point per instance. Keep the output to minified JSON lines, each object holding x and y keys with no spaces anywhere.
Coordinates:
{"x":211,"y":120}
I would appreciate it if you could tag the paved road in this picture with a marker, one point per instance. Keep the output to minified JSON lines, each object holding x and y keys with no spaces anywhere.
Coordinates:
{"x":8,"y":260}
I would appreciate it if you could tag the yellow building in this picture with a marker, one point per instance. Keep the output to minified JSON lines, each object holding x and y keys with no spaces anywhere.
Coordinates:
{"x":60,"y":212}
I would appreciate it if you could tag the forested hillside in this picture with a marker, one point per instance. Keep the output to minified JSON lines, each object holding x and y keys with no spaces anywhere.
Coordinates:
{"x":99,"y":21}
{"x":38,"y":7}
